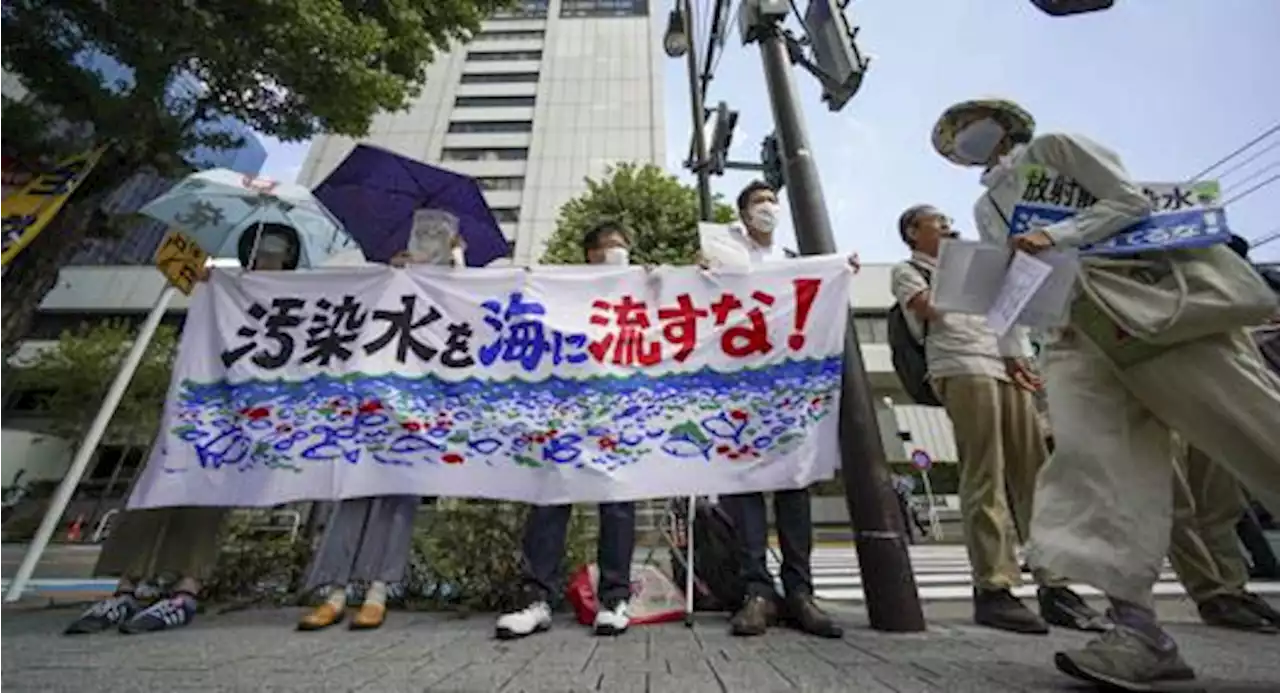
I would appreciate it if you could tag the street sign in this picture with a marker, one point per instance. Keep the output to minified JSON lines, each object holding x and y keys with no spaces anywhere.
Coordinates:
{"x":180,"y":260}
{"x":920,"y":459}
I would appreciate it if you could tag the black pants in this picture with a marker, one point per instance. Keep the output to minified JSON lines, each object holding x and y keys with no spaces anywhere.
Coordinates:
{"x":1261,"y":558}
{"x":791,"y":513}
{"x":544,"y":536}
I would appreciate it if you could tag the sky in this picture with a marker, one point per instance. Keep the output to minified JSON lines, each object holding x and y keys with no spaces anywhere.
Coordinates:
{"x":1172,"y":86}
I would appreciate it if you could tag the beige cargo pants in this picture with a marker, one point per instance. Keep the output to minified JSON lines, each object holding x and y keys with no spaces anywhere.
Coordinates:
{"x":1104,"y":501}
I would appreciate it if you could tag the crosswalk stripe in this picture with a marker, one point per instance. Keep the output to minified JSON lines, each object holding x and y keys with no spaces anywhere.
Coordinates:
{"x":942,"y":573}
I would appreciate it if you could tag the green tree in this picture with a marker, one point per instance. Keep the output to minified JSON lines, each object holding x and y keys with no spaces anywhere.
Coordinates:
{"x":661,"y":212}
{"x":76,"y":372}
{"x":287,"y":69}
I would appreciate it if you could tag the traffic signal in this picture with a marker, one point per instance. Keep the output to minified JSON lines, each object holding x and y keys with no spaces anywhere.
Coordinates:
{"x":771,"y":158}
{"x":723,"y":122}
{"x":1062,"y":8}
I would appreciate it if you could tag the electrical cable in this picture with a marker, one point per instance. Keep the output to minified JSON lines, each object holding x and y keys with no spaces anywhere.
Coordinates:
{"x":1252,"y":190}
{"x":1275,"y":128}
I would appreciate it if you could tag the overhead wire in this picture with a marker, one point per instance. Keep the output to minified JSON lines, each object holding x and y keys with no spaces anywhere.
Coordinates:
{"x":1250,"y":191}
{"x":1246,"y":146}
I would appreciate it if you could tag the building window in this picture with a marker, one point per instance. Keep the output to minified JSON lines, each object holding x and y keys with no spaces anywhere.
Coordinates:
{"x":507,"y":214}
{"x":493,"y":126}
{"x":479,"y":154}
{"x":525,"y":9}
{"x":510,"y":35}
{"x":604,"y":8}
{"x":501,"y":78}
{"x":494,"y":102}
{"x":495,"y":56}
{"x":501,"y":182}
{"x":872,"y":329}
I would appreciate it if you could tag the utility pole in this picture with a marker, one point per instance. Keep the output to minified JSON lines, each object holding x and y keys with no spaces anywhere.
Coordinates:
{"x":679,"y":41}
{"x":888,"y":582}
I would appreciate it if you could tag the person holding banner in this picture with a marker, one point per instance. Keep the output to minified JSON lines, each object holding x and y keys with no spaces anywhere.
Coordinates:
{"x":547,"y":526}
{"x":1104,"y":501}
{"x":179,"y":545}
{"x":368,"y":540}
{"x":759,"y":213}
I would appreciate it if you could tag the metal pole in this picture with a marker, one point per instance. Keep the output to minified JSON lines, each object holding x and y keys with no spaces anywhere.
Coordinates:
{"x":699,"y":120}
{"x":893,"y":603}
{"x":62,"y":497}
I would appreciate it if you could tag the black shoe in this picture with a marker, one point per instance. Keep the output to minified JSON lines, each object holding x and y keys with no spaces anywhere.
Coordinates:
{"x":1236,"y":613}
{"x":174,"y":612}
{"x":804,"y":615}
{"x":1261,"y":607}
{"x":1060,"y":606}
{"x":108,"y":613}
{"x":1001,"y":610}
{"x":755,"y":617}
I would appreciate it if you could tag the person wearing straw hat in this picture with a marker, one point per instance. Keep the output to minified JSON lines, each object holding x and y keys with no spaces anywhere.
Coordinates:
{"x":1103,"y":502}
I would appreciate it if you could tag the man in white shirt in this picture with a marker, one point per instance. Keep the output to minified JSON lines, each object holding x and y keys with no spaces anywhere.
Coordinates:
{"x":758,"y":209}
{"x":987,"y":391}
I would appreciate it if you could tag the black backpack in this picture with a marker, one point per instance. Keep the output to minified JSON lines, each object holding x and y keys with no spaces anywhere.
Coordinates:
{"x":718,"y":582}
{"x":908,"y":353}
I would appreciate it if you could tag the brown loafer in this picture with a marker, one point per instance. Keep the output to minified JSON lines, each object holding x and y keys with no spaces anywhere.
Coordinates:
{"x":370,"y":616}
{"x":320,"y":617}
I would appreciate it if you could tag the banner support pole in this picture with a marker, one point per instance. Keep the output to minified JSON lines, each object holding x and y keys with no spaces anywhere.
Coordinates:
{"x":80,"y":463}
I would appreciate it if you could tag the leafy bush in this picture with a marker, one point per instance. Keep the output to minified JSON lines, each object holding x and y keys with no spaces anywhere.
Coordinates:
{"x":465,"y":555}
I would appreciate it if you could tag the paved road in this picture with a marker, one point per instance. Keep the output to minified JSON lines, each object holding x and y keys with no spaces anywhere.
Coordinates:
{"x":258,"y":651}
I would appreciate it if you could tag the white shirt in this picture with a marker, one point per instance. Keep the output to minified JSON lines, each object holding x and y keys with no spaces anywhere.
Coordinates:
{"x":757,"y":253}
{"x":956,"y":343}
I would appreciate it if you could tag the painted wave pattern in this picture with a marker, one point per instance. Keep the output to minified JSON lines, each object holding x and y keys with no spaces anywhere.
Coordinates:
{"x":604,"y":422}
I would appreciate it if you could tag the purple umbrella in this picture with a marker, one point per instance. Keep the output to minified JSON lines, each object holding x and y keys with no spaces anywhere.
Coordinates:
{"x":374,"y":193}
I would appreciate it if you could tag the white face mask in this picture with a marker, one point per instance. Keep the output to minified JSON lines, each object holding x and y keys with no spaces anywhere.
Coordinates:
{"x":764,"y":217}
{"x":617,"y":256}
{"x":459,"y":257}
{"x":978,"y":141}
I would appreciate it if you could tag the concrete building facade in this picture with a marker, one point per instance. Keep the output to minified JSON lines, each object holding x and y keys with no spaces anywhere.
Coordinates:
{"x":541,"y":98}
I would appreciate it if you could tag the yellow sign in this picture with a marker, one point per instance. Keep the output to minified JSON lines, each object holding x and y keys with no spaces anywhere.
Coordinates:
{"x":28,"y":212}
{"x":181,"y":260}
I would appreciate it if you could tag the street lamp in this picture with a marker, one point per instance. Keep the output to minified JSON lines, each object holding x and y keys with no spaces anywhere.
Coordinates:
{"x":676,"y":41}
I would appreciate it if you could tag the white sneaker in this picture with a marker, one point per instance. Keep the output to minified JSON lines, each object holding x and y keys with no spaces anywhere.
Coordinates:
{"x":613,"y":621}
{"x":534,"y":618}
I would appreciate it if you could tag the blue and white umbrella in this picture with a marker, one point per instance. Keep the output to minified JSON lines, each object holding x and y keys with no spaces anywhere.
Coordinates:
{"x":217,"y":206}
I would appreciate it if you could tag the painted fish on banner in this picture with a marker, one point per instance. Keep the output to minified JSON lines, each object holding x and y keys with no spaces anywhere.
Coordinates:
{"x":1184,"y":215}
{"x":576,"y":384}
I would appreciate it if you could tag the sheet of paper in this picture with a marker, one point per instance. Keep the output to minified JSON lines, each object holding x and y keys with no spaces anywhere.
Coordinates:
{"x":720,"y":248}
{"x":1050,"y":306}
{"x":968,"y":276}
{"x":1022,"y":279}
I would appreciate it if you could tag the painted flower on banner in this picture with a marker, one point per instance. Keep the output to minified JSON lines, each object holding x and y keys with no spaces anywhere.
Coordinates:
{"x":705,"y":416}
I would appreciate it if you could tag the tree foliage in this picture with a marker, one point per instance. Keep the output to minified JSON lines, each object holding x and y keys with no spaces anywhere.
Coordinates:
{"x":76,"y":372}
{"x":660,"y":211}
{"x":157,"y":79}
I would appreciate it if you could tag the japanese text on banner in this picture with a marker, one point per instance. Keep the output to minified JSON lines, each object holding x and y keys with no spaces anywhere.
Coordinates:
{"x":1184,"y":215}
{"x":573,"y":385}
{"x":28,"y":212}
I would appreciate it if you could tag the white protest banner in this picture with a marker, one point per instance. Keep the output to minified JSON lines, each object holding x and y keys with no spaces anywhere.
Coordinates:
{"x":576,"y":384}
{"x":1184,"y":215}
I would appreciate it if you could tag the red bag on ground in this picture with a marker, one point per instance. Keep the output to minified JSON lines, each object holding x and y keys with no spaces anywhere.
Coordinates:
{"x":654,"y":597}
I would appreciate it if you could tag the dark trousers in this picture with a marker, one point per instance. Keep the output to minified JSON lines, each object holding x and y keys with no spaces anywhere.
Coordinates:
{"x":791,"y":512}
{"x":544,"y":536}
{"x":1261,"y":558}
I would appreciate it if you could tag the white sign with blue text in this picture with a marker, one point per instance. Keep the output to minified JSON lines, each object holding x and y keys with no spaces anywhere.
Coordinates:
{"x":1185,"y":215}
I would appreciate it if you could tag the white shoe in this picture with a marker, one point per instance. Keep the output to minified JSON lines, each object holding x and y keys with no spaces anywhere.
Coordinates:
{"x":613,"y":621}
{"x":534,"y":618}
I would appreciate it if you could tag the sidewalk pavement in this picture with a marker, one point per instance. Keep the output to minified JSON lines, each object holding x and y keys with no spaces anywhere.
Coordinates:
{"x":259,"y":651}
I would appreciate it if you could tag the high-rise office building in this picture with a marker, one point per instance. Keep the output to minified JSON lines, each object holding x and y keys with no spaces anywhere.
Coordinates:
{"x":542,"y":97}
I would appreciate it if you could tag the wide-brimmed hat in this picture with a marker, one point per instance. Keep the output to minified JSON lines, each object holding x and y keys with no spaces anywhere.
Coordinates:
{"x":1017,"y":122}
